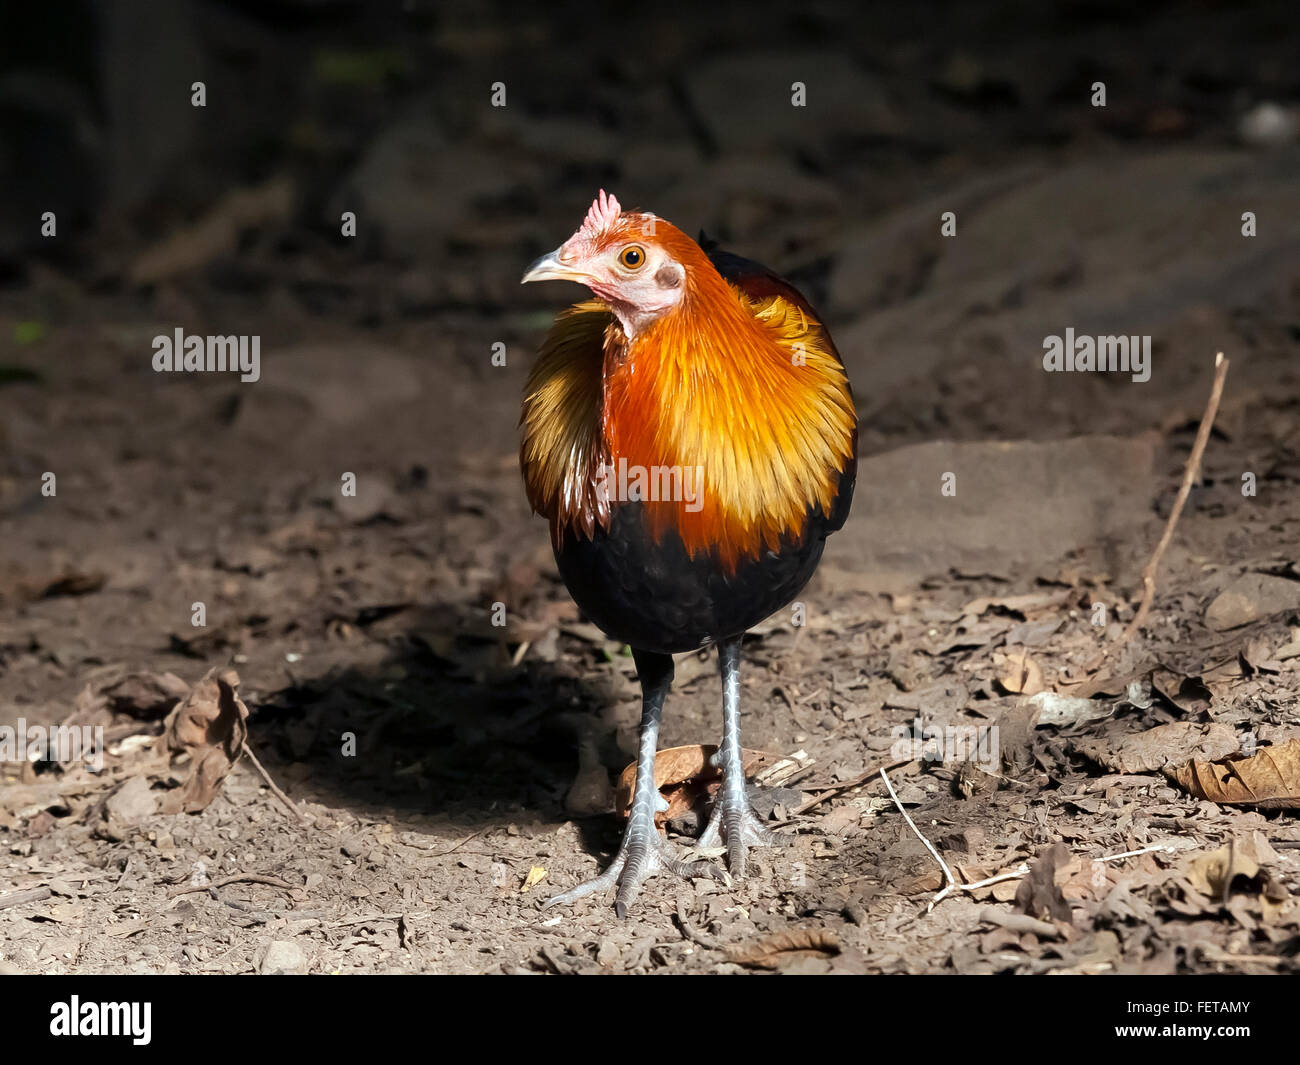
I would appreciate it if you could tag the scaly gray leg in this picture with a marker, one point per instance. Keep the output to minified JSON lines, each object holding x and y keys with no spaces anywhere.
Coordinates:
{"x":643,"y":851}
{"x":732,"y":821}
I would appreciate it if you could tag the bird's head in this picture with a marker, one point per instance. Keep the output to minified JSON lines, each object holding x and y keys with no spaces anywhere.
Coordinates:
{"x":631,"y":260}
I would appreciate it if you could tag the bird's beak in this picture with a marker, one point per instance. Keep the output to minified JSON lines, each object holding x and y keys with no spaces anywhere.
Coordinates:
{"x":549,"y":268}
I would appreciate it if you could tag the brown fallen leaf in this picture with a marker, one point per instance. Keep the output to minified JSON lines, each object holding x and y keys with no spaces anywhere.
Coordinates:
{"x":145,"y":696}
{"x":1161,"y":746}
{"x":684,"y":777}
{"x":932,"y":880}
{"x":1188,"y":693}
{"x":1235,"y":879}
{"x":1270,"y":779}
{"x":773,"y":951}
{"x":1038,"y":894}
{"x":141,"y":696}
{"x":1213,"y":874}
{"x":1019,"y":674}
{"x":210,"y":725}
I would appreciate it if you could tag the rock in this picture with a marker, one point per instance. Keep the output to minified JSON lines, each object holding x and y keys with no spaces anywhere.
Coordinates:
{"x":1250,"y":597}
{"x":1016,"y":504}
{"x":591,"y":792}
{"x":132,"y":802}
{"x":283,"y":958}
{"x":355,"y":846}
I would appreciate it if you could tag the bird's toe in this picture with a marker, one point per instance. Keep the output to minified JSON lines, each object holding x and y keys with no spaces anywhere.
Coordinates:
{"x":734,"y":825}
{"x":642,"y":855}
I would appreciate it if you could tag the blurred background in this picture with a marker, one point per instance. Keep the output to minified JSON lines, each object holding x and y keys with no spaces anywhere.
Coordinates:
{"x":370,"y":613}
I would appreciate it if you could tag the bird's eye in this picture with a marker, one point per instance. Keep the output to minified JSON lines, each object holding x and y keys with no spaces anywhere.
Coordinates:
{"x":632,"y":257}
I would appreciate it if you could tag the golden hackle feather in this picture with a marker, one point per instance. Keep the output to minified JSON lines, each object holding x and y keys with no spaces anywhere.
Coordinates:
{"x":562,"y":447}
{"x":747,"y":390}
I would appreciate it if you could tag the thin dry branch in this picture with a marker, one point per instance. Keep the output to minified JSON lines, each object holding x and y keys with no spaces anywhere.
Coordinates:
{"x":275,"y":788}
{"x":1191,"y":474}
{"x":237,"y":878}
{"x":848,"y":785}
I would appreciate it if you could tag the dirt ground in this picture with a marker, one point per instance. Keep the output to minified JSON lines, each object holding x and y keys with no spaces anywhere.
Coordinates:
{"x":446,"y":774}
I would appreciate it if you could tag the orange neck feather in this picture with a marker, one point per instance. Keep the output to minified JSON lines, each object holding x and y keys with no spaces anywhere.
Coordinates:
{"x":747,"y":393}
{"x":718,"y":386}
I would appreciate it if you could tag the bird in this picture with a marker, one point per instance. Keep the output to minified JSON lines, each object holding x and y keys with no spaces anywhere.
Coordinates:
{"x":690,"y":435}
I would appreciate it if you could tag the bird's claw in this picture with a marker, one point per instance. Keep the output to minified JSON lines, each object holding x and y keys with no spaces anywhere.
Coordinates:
{"x":643,"y":854}
{"x":734,"y":824}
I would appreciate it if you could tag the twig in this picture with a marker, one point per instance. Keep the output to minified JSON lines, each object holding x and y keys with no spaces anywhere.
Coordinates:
{"x":848,"y":785}
{"x":951,"y":886}
{"x":947,"y":873}
{"x":18,"y":898}
{"x":1191,"y":474}
{"x":999,"y":776}
{"x":1209,"y":952}
{"x":692,"y":933}
{"x":237,"y":878}
{"x":1167,"y":847}
{"x":1011,"y":874}
{"x":275,"y":788}
{"x":376,"y":918}
{"x":1019,"y":923}
{"x":456,"y":846}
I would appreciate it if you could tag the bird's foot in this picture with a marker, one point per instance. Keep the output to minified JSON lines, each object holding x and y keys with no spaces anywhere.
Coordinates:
{"x":642,"y":854}
{"x":733,"y":824}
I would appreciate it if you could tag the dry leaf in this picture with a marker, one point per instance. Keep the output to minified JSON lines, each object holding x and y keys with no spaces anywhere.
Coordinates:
{"x":684,"y":776}
{"x":1208,"y":882}
{"x":1038,"y":894}
{"x":1019,"y":673}
{"x":1270,"y":779}
{"x":535,"y":876}
{"x":145,"y":696}
{"x":1158,"y":747}
{"x":775,"y":950}
{"x":210,"y":725}
{"x":1212,"y":874}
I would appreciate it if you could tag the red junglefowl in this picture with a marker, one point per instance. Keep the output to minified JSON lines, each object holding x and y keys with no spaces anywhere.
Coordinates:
{"x":691,"y":437}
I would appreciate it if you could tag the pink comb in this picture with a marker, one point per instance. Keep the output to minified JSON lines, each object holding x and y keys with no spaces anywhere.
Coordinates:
{"x":602,"y":213}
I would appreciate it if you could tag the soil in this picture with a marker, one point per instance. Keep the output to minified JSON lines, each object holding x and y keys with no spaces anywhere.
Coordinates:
{"x":447,"y":773}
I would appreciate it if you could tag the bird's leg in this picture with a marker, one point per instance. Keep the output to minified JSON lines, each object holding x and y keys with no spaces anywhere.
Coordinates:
{"x":732,"y":821}
{"x":643,"y":851}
